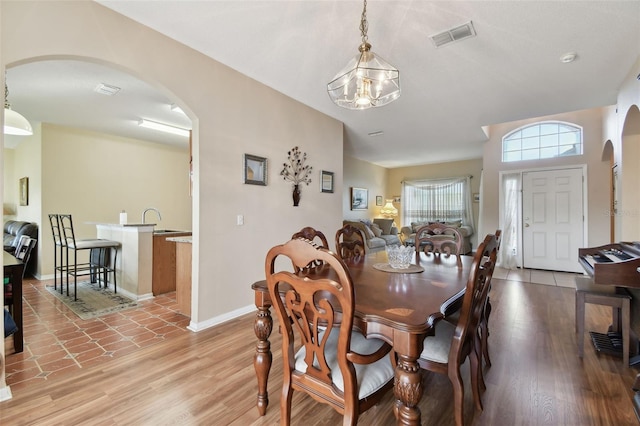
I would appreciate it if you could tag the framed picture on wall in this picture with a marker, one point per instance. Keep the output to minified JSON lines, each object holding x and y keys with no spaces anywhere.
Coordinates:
{"x":24,"y":191}
{"x":255,"y":170}
{"x":359,"y":198}
{"x":326,"y":181}
{"x":378,"y":200}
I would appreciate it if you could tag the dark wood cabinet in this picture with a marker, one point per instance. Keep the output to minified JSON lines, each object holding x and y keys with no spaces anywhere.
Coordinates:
{"x":164,"y":262}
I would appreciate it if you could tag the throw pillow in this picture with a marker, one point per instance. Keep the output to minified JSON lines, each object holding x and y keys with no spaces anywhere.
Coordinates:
{"x":454,"y":224}
{"x":385,"y":225}
{"x":417,"y":225}
{"x":376,"y":230}
{"x":367,"y":230}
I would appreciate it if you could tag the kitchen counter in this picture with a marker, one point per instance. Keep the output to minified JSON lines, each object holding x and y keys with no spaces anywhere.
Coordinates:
{"x":186,"y":239}
{"x":134,"y":256}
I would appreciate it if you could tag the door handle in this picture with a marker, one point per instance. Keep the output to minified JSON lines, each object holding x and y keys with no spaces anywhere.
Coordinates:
{"x":526,"y":225}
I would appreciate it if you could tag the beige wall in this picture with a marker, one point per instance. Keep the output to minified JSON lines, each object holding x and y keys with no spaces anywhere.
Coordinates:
{"x":598,"y":170}
{"x":361,"y":174}
{"x":10,"y":185}
{"x":95,"y":176}
{"x":622,"y":125}
{"x":231,"y":115}
{"x":436,"y":171}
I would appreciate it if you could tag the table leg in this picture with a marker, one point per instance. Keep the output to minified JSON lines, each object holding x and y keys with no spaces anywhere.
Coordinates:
{"x":407,"y":388}
{"x":263,"y":357}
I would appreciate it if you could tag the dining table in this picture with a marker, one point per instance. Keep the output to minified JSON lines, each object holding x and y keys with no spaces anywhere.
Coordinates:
{"x":400,"y":307}
{"x":13,"y":271}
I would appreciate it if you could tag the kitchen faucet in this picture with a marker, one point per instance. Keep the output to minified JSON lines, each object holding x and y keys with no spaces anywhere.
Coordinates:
{"x":151,"y":208}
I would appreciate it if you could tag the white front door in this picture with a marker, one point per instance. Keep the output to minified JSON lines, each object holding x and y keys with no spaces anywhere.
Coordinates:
{"x":552,"y":219}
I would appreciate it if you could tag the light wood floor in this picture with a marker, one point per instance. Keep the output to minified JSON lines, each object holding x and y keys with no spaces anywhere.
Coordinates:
{"x":207,"y":378}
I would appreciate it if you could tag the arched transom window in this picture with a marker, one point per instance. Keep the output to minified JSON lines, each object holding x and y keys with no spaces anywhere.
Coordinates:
{"x":546,"y":139}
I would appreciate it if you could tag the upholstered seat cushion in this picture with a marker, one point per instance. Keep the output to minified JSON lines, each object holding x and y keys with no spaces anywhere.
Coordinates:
{"x":436,"y":348}
{"x":371,"y":377}
{"x":91,"y":243}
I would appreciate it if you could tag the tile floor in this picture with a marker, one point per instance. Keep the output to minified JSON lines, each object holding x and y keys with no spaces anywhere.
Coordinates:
{"x":57,"y":341}
{"x":535,"y":276}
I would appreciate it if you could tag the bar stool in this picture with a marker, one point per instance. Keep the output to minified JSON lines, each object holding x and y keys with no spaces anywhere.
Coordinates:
{"x":58,"y":250}
{"x":91,"y":268}
{"x":620,"y":302}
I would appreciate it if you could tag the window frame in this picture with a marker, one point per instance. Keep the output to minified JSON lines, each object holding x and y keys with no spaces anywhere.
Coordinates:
{"x":534,"y":140}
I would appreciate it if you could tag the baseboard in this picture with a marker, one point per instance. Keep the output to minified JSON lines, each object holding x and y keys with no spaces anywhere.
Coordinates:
{"x":220,"y":319}
{"x":130,"y":295}
{"x":5,"y":394}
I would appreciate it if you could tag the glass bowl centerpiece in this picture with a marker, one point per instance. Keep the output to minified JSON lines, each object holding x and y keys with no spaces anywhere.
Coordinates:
{"x":400,"y":256}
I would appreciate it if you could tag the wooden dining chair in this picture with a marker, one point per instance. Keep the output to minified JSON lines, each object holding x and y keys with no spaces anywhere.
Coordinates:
{"x":438,"y":238}
{"x":484,"y":321}
{"x":322,"y":354}
{"x":350,"y":243}
{"x":316,"y":237}
{"x":451,"y":345}
{"x":312,"y":234}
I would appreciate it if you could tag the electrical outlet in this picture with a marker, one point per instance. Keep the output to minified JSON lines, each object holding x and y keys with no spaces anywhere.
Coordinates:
{"x":240,"y":220}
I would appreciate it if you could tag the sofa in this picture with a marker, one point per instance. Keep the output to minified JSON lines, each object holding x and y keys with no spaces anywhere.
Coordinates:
{"x":378,"y":233}
{"x":13,"y":230}
{"x":408,"y":233}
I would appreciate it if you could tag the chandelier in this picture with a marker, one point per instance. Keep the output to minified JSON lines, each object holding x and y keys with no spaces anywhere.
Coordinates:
{"x":368,"y":80}
{"x":14,"y":122}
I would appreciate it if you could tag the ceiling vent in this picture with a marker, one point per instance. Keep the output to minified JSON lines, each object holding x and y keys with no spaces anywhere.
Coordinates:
{"x":454,"y":34}
{"x":106,"y":89}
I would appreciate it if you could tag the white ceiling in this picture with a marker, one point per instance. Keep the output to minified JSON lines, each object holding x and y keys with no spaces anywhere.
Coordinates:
{"x":510,"y":71}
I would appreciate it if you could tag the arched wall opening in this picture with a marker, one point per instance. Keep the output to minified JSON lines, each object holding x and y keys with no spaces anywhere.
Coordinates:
{"x":608,"y":156}
{"x":140,"y":170}
{"x":628,"y":212}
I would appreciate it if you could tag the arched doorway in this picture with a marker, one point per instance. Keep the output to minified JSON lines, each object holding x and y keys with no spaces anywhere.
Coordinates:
{"x":608,"y":155}
{"x":629,"y":197}
{"x":79,"y":99}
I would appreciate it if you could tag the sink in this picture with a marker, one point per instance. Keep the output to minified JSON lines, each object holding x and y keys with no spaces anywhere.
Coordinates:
{"x":164,"y":231}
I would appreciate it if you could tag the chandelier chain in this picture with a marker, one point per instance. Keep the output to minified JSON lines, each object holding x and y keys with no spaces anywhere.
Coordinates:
{"x":364,"y":25}
{"x":6,"y":96}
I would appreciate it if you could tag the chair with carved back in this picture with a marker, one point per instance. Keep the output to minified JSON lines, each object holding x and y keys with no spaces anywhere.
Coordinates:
{"x":323,"y":355}
{"x":484,"y":322}
{"x":451,"y":345}
{"x":441,"y":239}
{"x":315,"y":236}
{"x":350,"y":243}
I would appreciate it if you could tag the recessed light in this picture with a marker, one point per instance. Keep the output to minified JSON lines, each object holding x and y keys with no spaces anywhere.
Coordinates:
{"x":378,"y":133}
{"x":568,"y":57}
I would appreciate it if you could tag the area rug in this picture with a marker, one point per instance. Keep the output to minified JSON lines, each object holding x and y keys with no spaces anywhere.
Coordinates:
{"x":93,"y":301}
